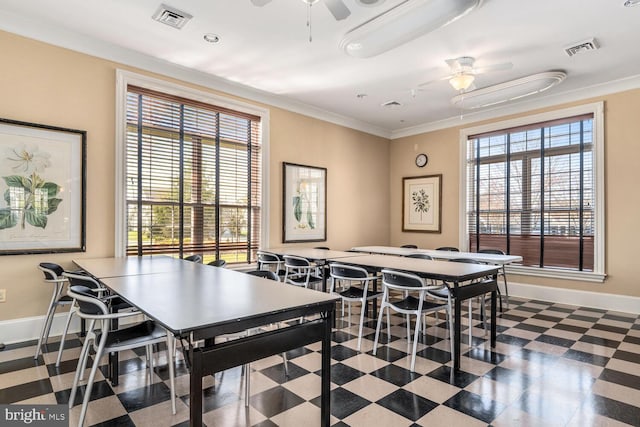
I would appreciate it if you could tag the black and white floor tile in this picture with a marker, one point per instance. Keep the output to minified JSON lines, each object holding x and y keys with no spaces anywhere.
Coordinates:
{"x":554,"y":365}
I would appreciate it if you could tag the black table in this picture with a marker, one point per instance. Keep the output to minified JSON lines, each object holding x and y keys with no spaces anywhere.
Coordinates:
{"x":200,"y":302}
{"x":452,"y":272}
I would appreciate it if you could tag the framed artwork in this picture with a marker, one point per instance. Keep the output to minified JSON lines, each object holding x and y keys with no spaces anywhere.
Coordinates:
{"x":422,"y":203}
{"x":42,"y":183}
{"x":304,"y":203}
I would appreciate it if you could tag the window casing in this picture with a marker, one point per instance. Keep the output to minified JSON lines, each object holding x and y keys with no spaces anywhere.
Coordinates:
{"x":533,"y":187}
{"x":191,"y":173}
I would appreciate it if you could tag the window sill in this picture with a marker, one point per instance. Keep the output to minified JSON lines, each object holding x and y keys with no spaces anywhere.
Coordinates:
{"x":586,"y":276}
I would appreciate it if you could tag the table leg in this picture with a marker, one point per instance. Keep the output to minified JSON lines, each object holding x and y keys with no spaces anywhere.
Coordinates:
{"x":325,"y":397}
{"x":457,"y":314}
{"x":494,"y":328}
{"x":195,"y":388}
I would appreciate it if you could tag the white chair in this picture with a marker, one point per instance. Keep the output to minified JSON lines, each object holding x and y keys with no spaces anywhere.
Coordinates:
{"x":502,"y":272}
{"x":414,"y":302}
{"x":351,"y":277}
{"x":53,"y":274}
{"x":106,"y":341}
{"x":272,"y":262}
{"x":298,"y":271}
{"x":116,"y":304}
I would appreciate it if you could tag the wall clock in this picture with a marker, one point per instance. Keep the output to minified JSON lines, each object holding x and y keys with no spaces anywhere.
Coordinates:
{"x":421,"y":160}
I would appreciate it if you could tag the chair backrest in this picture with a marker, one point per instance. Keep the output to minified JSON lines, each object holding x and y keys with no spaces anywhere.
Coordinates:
{"x":322,"y":247}
{"x":409,"y":246}
{"x":347,"y":272}
{"x":293,"y":261}
{"x":90,"y":307}
{"x":491,"y":251}
{"x":51,"y":271}
{"x":466,"y":260}
{"x":448,"y":248}
{"x":265,"y":274}
{"x":401,"y":280}
{"x":419,"y":255}
{"x":218,"y":263}
{"x":77,"y":279}
{"x":194,"y":258}
{"x":268,"y":259}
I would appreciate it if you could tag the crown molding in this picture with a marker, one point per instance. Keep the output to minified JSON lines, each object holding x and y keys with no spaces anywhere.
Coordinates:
{"x":621,"y":85}
{"x":47,"y":33}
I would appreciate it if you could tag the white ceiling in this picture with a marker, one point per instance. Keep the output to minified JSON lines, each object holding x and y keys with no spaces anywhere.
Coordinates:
{"x":265,"y":52}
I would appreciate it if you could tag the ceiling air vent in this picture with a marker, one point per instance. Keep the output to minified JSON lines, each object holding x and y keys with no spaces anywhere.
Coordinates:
{"x":583,"y":46}
{"x":171,"y":16}
{"x":392,"y":104}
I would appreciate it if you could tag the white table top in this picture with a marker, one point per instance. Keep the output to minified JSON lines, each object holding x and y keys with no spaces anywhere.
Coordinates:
{"x":129,"y":266}
{"x":190,"y":296}
{"x":486,"y":258}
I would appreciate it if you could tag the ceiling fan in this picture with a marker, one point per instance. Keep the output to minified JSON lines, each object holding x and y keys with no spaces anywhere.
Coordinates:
{"x":463,"y":73}
{"x":337,"y":8}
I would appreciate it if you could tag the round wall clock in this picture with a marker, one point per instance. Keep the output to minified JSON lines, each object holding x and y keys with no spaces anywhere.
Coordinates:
{"x":421,"y":160}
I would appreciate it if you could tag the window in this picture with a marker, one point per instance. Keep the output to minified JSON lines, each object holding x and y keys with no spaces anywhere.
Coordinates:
{"x":192,"y":177}
{"x":531,"y":190}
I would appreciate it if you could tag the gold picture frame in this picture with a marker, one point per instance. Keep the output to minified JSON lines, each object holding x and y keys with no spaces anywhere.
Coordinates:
{"x":422,"y":203}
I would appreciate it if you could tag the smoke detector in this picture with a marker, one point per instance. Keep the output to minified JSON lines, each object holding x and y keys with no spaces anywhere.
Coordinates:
{"x":171,"y":16}
{"x":583,"y":46}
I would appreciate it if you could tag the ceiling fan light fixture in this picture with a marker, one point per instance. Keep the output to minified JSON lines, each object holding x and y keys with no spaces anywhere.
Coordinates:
{"x":508,"y":91}
{"x":402,"y":23}
{"x":462,"y":81}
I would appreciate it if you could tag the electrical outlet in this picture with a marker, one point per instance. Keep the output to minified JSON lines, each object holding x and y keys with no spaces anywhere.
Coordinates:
{"x":3,"y":295}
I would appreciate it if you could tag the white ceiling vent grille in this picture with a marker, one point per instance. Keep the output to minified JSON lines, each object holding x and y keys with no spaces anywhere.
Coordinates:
{"x":583,"y":46}
{"x":392,"y":104}
{"x":171,"y":16}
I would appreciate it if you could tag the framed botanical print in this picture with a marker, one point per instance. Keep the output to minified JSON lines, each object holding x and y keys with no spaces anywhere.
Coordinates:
{"x":42,"y":182}
{"x":304,"y":206}
{"x":422,"y":203}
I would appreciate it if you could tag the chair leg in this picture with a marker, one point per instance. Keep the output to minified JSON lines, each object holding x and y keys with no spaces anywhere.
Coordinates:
{"x":92,"y":376}
{"x":362,"y":309}
{"x":415,"y":342}
{"x":380,"y":315}
{"x":247,"y":384}
{"x":506,"y":288}
{"x":64,"y":336}
{"x":44,"y":335}
{"x":82,"y":361}
{"x":449,"y":315}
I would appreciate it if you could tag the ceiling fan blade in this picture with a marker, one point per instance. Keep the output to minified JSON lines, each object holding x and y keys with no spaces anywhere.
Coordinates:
{"x":494,"y":67}
{"x":338,"y":9}
{"x":260,"y":3}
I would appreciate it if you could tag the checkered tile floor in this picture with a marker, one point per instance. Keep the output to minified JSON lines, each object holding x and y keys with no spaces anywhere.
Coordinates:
{"x":554,"y":365}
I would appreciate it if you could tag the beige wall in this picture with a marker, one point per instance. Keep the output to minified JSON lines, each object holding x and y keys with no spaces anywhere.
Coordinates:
{"x":44,"y":84}
{"x":622,"y":202}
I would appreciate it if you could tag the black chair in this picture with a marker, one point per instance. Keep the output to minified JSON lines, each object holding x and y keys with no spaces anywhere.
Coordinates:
{"x":448,"y":248}
{"x":53,"y":274}
{"x":322,"y":247}
{"x":193,"y":258}
{"x":409,"y":246}
{"x":298,"y":271}
{"x":218,"y":263}
{"x":265,"y":274}
{"x":419,"y":255}
{"x":271,"y":261}
{"x":414,"y":302}
{"x":482,"y":297}
{"x":351,"y":292}
{"x":502,"y":271}
{"x":107,"y":340}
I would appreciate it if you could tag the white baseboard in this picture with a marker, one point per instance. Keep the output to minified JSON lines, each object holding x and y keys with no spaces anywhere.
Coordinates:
{"x":622,"y":303}
{"x":29,"y":328}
